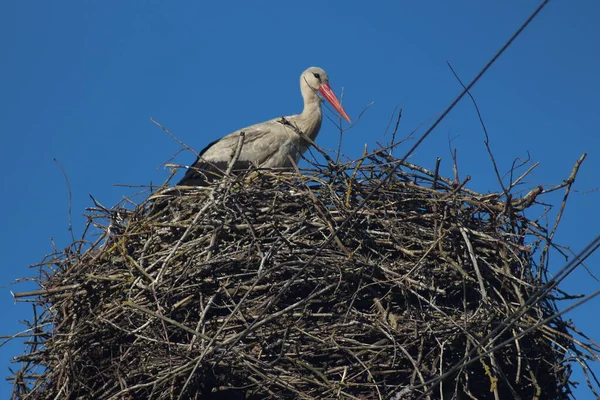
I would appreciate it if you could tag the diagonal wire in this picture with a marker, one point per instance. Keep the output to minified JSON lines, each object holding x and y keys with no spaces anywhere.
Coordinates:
{"x":391,"y":173}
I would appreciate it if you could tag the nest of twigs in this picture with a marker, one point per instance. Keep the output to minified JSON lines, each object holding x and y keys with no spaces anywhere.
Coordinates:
{"x":334,"y":283}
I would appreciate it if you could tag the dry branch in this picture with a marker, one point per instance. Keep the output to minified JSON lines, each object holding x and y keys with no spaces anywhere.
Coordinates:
{"x":211,"y":293}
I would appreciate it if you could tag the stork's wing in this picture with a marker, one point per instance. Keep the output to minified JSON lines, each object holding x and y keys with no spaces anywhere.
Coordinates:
{"x":257,"y":147}
{"x":194,"y":175}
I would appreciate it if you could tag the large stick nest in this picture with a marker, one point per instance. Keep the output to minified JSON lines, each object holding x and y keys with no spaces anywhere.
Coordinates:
{"x":242,"y":290}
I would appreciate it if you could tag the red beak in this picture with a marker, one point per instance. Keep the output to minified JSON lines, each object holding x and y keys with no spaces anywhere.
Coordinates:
{"x":330,"y":96}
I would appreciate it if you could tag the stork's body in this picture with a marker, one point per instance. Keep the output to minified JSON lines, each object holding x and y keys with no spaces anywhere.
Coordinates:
{"x":270,"y":144}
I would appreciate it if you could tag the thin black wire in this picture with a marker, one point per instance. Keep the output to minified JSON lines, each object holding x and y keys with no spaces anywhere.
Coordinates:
{"x":391,"y":173}
{"x":410,"y":151}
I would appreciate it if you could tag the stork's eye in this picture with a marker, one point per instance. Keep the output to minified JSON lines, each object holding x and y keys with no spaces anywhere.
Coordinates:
{"x":317,"y":76}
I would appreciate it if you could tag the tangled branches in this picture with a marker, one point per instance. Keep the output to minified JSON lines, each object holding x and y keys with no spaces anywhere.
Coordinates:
{"x":228,"y":292}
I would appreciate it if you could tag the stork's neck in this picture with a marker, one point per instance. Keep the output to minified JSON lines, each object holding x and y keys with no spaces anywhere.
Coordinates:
{"x":310,"y":119}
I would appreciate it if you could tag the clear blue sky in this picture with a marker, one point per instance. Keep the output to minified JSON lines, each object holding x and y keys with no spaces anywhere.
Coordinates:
{"x":80,"y":80}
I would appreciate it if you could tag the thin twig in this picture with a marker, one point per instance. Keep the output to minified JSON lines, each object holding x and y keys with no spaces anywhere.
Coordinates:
{"x":69,"y":212}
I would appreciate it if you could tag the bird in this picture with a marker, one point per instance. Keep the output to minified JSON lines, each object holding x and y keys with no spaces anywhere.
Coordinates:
{"x":270,"y":144}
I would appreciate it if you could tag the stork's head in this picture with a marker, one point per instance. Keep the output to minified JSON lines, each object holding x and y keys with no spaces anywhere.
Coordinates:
{"x":317,"y":80}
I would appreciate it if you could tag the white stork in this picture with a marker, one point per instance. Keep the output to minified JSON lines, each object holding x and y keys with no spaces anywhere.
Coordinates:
{"x":269,"y":144}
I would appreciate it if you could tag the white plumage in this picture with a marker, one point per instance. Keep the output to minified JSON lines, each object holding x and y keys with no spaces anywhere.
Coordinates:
{"x":269,"y":144}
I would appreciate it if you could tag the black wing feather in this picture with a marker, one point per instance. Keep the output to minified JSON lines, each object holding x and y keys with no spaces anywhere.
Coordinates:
{"x":202,"y":172}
